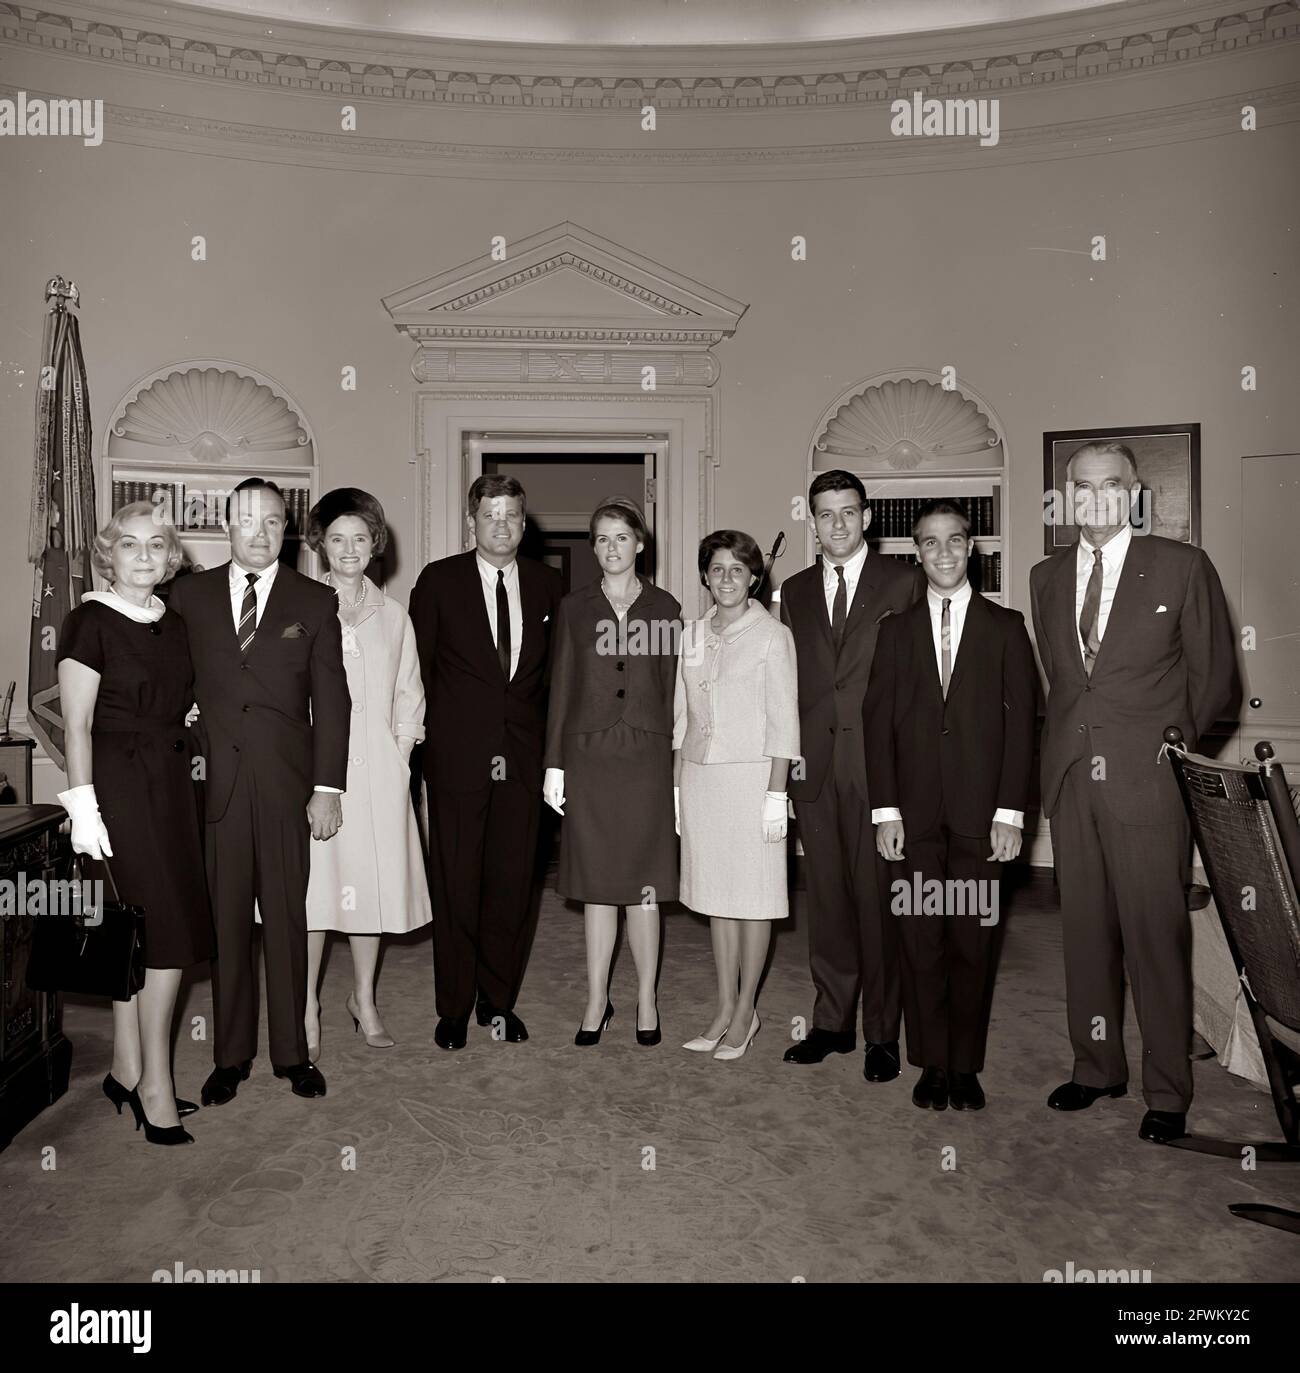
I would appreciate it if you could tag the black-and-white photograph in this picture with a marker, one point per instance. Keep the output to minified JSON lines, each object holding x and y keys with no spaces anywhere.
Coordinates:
{"x":615,"y":670}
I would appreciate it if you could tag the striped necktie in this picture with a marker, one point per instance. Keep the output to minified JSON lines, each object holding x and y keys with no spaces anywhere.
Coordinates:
{"x":248,"y":616}
{"x":945,"y":645}
{"x":1089,"y":619}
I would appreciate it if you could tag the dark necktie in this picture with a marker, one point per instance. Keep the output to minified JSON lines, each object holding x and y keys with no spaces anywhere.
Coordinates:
{"x":503,"y":623}
{"x":839,"y":609}
{"x":1091,"y":614}
{"x":945,"y":644}
{"x":248,"y":616}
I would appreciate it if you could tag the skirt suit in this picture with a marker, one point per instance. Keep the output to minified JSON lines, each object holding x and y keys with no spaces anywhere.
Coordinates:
{"x":736,"y":708}
{"x":609,"y":726}
{"x":369,"y":878}
{"x":142,"y":768}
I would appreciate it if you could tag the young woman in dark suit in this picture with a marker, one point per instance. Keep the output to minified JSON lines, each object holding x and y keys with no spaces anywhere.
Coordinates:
{"x":609,"y":760}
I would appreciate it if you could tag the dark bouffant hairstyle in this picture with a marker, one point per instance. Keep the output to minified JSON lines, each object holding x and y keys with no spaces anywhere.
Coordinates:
{"x":736,"y":542}
{"x":620,"y":508}
{"x":347,"y":500}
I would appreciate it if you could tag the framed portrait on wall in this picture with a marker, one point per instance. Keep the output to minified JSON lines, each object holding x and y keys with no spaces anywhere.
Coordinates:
{"x":1169,"y":467}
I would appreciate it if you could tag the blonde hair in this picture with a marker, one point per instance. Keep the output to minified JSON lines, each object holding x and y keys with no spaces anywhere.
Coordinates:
{"x":101,"y":551}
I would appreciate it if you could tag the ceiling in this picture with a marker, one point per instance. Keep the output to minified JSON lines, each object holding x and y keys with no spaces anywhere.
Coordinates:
{"x":648,"y":22}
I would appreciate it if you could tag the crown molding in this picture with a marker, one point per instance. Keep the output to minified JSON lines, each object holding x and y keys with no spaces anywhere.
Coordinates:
{"x":1116,"y":39}
{"x":1217,"y":117}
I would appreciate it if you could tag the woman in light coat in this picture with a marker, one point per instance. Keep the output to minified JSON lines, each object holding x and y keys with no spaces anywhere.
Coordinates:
{"x":736,"y":728}
{"x":369,"y":879}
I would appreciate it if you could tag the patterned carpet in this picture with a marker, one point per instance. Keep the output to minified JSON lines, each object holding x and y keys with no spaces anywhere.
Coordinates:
{"x":543,"y":1162}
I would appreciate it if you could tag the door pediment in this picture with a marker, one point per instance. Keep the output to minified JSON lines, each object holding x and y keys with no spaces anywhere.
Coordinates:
{"x":564,"y":285}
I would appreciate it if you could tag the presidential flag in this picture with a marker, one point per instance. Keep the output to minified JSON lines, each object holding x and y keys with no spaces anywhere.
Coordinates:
{"x":63,"y":508}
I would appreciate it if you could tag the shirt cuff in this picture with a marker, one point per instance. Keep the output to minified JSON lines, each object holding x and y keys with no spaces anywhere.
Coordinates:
{"x":884,"y":814}
{"x":1002,"y":816}
{"x":336,"y":791}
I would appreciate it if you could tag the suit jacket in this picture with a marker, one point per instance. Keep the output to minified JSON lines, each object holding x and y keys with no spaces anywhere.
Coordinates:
{"x":735,"y":699}
{"x":473,"y":715}
{"x":285,"y":713}
{"x":1168,"y":658}
{"x":593,"y":687}
{"x":960,"y":758}
{"x":831,"y":687}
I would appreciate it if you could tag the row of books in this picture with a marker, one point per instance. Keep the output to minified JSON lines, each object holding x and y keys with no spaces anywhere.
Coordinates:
{"x":193,"y":508}
{"x":984,"y":570}
{"x":893,"y":517}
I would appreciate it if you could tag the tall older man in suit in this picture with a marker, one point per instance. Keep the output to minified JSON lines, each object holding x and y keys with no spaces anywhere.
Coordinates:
{"x":483,"y":623}
{"x":949,"y":720}
{"x":1134,"y":635}
{"x":834,"y":610}
{"x":274,"y":723}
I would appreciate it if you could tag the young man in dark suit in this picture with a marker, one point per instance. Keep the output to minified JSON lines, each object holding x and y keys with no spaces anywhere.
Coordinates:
{"x":1134,"y":635}
{"x":274,"y":720}
{"x":483,"y":629}
{"x":949,"y":720}
{"x":834,"y":609}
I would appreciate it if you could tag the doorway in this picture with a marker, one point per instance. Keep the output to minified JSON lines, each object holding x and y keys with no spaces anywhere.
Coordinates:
{"x":565,"y":477}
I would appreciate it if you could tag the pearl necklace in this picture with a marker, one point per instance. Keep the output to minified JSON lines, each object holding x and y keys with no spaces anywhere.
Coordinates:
{"x":620,"y":607}
{"x":351,"y":605}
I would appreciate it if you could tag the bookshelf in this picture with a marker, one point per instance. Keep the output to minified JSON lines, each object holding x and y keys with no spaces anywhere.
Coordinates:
{"x":186,"y":435}
{"x":894,"y":504}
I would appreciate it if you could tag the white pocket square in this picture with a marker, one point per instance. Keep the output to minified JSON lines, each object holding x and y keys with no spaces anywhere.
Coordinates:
{"x":1160,"y":609}
{"x":547,"y":617}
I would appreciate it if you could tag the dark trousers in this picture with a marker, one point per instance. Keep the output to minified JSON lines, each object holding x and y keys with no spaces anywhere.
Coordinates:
{"x":483,"y":847}
{"x":949,"y":960}
{"x":852,"y":941}
{"x":1122,"y":902}
{"x":258,"y":850}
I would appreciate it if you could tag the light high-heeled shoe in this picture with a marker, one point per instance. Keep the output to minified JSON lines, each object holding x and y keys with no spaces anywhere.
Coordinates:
{"x":701,"y":1045}
{"x":381,"y":1039}
{"x":728,"y":1053}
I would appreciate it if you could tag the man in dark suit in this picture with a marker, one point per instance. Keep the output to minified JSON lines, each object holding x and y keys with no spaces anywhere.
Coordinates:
{"x":834,"y":610}
{"x":949,"y":720}
{"x":274,"y":720}
{"x":483,"y":628}
{"x":1134,"y":636}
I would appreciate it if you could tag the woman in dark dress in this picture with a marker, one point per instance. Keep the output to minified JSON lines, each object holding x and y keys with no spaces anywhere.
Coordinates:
{"x":125,"y":683}
{"x":609,"y":759}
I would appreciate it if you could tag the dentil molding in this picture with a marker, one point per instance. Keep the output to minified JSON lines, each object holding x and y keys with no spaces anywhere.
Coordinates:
{"x":990,"y":59}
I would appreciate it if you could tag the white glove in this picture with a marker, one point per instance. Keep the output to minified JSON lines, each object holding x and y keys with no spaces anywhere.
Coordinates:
{"x":553,"y":789}
{"x":89,"y":836}
{"x":775,"y":805}
{"x":677,"y":809}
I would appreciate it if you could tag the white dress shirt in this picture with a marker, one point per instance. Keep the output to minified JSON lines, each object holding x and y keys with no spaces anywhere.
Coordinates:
{"x":1113,"y":554}
{"x":488,"y":572}
{"x":261,"y":590}
{"x":831,"y":581}
{"x":958,"y":601}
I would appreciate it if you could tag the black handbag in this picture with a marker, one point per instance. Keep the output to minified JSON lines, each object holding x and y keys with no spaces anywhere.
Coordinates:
{"x":96,"y":950}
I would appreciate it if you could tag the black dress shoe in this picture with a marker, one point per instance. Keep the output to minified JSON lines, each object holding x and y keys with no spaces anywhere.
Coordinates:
{"x":306,"y":1078}
{"x":931,"y":1090}
{"x":450,"y":1033}
{"x":1074,"y":1096}
{"x":514,"y":1029}
{"x":120,"y":1095}
{"x":881,"y":1063}
{"x":965,"y":1092}
{"x":647,"y":1039}
{"x":818,"y":1044}
{"x":584,"y":1039}
{"x":1163,"y":1126}
{"x":223,"y":1083}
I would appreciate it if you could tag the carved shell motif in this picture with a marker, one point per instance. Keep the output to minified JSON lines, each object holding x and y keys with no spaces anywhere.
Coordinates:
{"x":213,"y":415}
{"x":902,"y":424}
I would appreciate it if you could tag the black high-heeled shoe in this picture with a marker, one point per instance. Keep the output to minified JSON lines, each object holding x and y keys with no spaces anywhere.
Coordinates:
{"x":119,"y":1095}
{"x":156,"y":1134}
{"x":648,"y":1038}
{"x":584,"y":1038}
